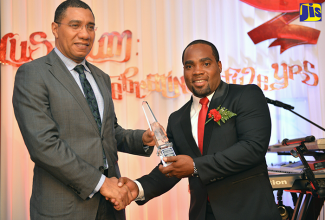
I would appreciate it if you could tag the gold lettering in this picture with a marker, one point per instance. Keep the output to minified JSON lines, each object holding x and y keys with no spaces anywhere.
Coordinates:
{"x":262,"y":82}
{"x":285,"y":83}
{"x":104,"y":54}
{"x":315,"y":83}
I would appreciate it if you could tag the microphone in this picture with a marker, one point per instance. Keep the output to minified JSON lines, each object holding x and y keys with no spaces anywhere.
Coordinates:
{"x":279,"y":104}
{"x":287,"y":142}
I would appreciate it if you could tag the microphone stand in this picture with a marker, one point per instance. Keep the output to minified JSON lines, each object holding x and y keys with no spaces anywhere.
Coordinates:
{"x":307,"y":120}
{"x":289,"y":107}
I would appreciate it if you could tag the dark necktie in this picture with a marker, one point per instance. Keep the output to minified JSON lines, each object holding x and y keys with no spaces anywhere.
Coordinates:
{"x":90,"y":95}
{"x":201,"y":122}
{"x":91,"y":99}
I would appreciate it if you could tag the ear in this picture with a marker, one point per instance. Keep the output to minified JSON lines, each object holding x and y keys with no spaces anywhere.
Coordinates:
{"x":220,"y":66}
{"x":55,"y":27}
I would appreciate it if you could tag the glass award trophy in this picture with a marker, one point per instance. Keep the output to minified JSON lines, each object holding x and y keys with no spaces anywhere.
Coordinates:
{"x":164,"y":148}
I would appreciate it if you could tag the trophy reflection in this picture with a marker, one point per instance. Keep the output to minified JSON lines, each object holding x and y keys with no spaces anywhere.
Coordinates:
{"x":164,"y":148}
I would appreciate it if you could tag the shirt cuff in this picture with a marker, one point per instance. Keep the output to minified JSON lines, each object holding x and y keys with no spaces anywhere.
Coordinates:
{"x":140,"y":196}
{"x":146,"y":148}
{"x":99,"y":185}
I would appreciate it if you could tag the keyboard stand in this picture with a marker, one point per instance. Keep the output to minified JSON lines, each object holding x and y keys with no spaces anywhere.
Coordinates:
{"x":309,"y":209}
{"x":314,"y":199}
{"x":313,"y":184}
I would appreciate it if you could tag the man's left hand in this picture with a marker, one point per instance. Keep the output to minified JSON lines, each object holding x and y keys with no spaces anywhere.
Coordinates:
{"x":147,"y":138}
{"x":181,"y":167}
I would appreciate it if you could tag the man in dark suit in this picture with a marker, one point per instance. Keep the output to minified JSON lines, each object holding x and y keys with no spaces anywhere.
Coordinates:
{"x":225,"y":164}
{"x":65,"y":112}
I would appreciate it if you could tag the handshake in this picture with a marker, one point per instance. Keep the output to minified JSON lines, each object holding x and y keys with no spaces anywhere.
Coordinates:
{"x":121,"y":192}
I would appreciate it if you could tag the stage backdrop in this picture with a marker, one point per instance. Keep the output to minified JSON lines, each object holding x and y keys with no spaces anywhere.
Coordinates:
{"x":139,"y":43}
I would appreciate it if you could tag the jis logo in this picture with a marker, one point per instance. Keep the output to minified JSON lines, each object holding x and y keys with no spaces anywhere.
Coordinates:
{"x":310,"y":12}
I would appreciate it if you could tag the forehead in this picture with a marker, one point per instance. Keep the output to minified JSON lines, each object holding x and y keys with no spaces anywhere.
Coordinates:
{"x":80,"y":14}
{"x":198,"y":51}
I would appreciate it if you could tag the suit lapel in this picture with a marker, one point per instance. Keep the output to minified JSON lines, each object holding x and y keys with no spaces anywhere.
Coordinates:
{"x":217,"y":100}
{"x":187,"y":128}
{"x":62,"y":74}
{"x":108,"y":116}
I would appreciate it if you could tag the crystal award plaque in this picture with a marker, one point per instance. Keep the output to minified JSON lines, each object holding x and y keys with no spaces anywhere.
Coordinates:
{"x":164,"y":148}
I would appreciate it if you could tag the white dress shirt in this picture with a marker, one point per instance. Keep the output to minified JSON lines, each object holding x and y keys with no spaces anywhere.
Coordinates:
{"x":194,"y":114}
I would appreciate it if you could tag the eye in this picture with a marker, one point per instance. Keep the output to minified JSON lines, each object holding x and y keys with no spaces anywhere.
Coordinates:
{"x":206,"y":64}
{"x":75,"y":26}
{"x":188,"y":67}
{"x":90,"y":27}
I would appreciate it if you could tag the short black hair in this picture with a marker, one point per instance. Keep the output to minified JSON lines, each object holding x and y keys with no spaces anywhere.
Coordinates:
{"x":214,"y":49}
{"x":61,"y":9}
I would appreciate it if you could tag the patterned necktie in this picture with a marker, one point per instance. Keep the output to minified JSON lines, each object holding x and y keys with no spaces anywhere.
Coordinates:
{"x":92,"y":102}
{"x":90,"y":95}
{"x":201,"y":122}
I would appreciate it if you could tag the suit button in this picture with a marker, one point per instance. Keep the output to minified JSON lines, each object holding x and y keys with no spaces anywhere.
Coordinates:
{"x":212,"y":180}
{"x":101,"y":169}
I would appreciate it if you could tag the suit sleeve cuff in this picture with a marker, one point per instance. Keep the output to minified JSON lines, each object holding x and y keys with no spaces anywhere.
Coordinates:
{"x":140,"y":196}
{"x":99,"y":185}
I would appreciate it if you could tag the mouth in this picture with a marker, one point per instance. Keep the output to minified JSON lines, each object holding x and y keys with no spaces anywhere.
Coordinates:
{"x":199,"y":83}
{"x":82,"y":45}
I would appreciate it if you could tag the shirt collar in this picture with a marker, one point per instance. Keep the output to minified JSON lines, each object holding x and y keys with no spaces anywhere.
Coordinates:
{"x":70,"y":64}
{"x":196,"y":101}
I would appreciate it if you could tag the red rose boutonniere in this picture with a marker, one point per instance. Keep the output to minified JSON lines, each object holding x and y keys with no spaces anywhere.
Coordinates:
{"x":220,"y":114}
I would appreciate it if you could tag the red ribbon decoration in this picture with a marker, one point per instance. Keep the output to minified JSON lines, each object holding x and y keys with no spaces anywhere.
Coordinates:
{"x":287,"y":35}
{"x":279,"y":5}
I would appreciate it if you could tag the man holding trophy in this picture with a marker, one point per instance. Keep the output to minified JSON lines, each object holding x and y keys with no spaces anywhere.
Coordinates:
{"x":220,"y":138}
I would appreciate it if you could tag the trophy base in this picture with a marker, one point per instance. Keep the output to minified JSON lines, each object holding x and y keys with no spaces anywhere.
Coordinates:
{"x":166,"y":150}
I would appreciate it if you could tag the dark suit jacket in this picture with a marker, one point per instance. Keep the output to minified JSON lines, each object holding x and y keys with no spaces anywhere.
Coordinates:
{"x":232,"y":170}
{"x":63,"y":139}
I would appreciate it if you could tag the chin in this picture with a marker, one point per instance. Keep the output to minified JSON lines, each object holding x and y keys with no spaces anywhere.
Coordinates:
{"x":202,"y":92}
{"x":81,"y":56}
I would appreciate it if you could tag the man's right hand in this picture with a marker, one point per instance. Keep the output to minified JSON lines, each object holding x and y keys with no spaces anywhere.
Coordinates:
{"x":119,"y":196}
{"x":133,"y":187}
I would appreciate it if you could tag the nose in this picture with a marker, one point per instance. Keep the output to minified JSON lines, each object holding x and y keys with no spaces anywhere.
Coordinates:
{"x":83,"y":33}
{"x":198,"y":70}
